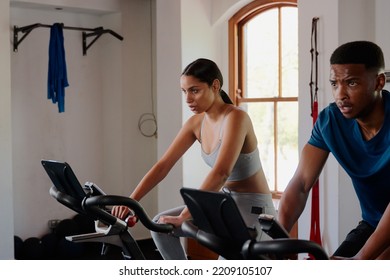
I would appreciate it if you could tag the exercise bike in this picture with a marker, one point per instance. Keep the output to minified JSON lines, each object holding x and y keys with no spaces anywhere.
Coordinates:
{"x":91,"y":201}
{"x":218,"y":225}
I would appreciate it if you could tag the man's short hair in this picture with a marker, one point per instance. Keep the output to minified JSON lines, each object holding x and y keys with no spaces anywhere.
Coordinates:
{"x":359,"y":52}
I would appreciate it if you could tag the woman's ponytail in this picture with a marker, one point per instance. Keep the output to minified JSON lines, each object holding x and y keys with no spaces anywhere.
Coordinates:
{"x":225,"y":97}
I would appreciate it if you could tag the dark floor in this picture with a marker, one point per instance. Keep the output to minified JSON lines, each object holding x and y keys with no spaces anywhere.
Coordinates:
{"x":147,"y":247}
{"x":54,"y":249}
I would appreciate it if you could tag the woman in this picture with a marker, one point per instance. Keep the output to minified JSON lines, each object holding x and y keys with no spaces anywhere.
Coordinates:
{"x":228,"y":145}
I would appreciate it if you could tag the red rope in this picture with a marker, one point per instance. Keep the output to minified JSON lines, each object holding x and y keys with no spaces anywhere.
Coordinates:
{"x":315,"y":232}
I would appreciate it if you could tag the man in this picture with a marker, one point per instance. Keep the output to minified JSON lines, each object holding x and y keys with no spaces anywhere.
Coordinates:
{"x":356,"y":130}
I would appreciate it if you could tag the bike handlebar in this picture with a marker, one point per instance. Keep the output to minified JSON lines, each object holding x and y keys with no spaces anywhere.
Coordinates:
{"x":94,"y":205}
{"x":283,"y":246}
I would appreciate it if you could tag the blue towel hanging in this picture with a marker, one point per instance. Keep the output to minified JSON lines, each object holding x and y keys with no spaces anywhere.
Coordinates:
{"x":57,"y":76}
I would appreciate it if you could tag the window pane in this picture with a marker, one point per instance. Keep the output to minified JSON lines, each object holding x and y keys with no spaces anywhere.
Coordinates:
{"x":262,"y":116}
{"x":261,"y":55}
{"x":289,"y":51}
{"x":287,"y":152}
{"x":270,"y":69}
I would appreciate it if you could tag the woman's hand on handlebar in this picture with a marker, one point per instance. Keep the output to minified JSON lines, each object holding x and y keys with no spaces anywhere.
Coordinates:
{"x":120,"y":211}
{"x":176,"y":221}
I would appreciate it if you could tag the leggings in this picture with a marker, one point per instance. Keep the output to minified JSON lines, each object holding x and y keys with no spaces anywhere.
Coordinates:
{"x":250,"y":206}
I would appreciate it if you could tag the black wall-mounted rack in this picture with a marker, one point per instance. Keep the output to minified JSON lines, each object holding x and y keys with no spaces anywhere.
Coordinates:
{"x":87,"y":32}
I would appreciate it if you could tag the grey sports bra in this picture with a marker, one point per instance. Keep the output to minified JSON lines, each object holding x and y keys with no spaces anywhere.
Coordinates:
{"x":245,"y":166}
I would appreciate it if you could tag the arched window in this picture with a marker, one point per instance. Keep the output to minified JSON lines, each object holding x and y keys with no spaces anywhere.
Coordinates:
{"x":263,"y":79}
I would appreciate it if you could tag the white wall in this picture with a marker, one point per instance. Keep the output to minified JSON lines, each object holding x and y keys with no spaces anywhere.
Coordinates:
{"x":110,"y":88}
{"x":6,"y":201}
{"x":382,"y":23}
{"x":134,"y":153}
{"x":169,"y":113}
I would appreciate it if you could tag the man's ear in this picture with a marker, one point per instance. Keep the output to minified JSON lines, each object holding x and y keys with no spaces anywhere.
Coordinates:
{"x":380,"y":81}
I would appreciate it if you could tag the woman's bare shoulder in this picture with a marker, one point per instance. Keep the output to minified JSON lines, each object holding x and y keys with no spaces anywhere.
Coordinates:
{"x":193,"y":124}
{"x":195,"y":120}
{"x":238,"y":114}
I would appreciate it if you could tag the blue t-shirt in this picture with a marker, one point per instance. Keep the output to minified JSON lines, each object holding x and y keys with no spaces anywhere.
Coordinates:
{"x":366,"y":162}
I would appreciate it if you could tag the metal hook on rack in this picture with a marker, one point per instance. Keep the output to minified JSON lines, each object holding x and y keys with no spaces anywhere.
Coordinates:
{"x":97,"y":32}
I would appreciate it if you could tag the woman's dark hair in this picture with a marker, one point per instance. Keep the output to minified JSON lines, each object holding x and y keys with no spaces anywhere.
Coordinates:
{"x":207,"y":71}
{"x":359,"y":52}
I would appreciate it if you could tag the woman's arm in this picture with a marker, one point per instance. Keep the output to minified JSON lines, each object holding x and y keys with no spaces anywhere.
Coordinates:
{"x":182,"y":142}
